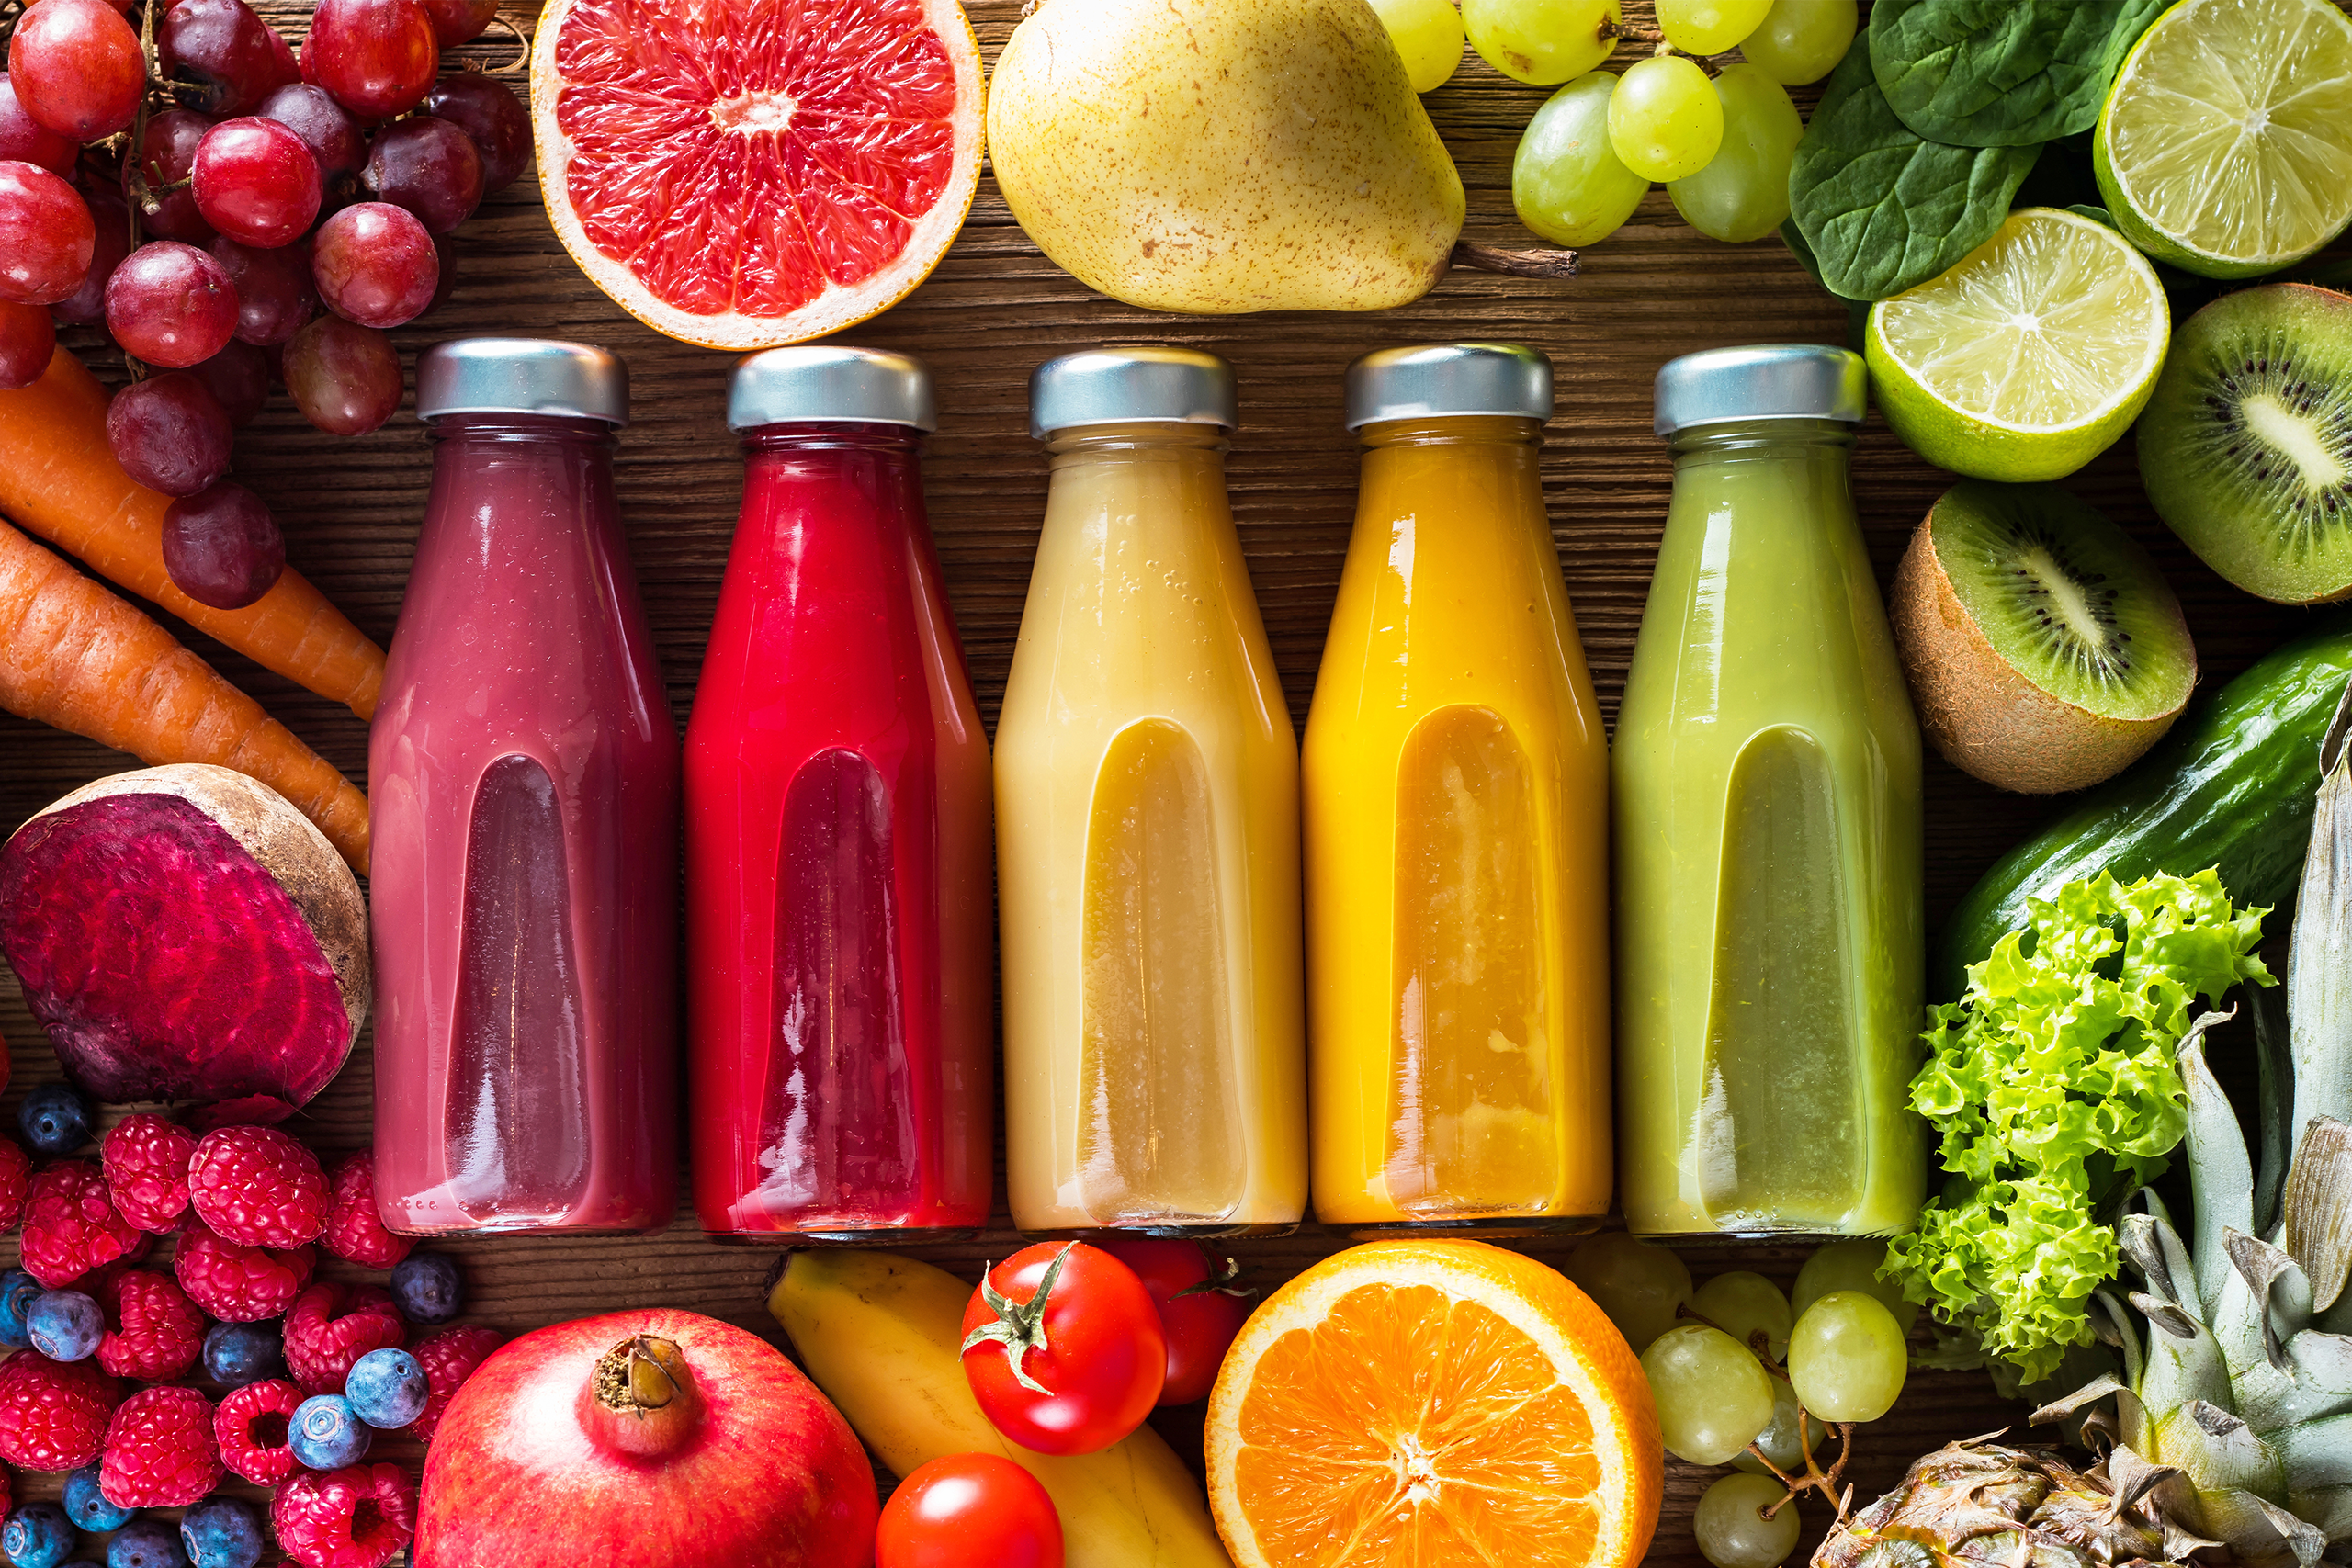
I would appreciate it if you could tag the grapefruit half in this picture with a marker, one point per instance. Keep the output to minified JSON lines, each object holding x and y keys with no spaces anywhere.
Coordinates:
{"x":741,"y":173}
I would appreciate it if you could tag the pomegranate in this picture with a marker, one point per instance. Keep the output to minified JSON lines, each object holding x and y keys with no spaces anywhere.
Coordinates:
{"x":653,"y":1439}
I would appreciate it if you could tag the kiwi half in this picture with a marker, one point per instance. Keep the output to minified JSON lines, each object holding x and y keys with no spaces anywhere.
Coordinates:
{"x":2044,"y":649}
{"x":2246,"y":446}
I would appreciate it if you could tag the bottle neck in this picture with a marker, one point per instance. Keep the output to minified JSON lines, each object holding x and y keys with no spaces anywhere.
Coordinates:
{"x":815,"y":437}
{"x":1452,"y":430}
{"x":1798,"y":441}
{"x":815,"y":481}
{"x":496,"y":472}
{"x":1140,"y":442}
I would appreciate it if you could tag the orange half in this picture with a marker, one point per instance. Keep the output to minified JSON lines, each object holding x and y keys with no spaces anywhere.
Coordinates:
{"x":1429,"y":1405}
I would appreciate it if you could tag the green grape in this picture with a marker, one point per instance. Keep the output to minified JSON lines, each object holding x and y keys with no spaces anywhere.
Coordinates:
{"x":1570,"y":189}
{"x":1638,"y":1285}
{"x":1709,"y":26}
{"x":1663,"y":118}
{"x":1779,"y":1440}
{"x":1800,"y":41}
{"x":1739,"y":1303}
{"x":1542,"y":41}
{"x":1731,"y":1529}
{"x":1713,"y":1396}
{"x":1846,"y":1357}
{"x":1851,"y":1265}
{"x":1427,"y":34}
{"x":1744,"y":194}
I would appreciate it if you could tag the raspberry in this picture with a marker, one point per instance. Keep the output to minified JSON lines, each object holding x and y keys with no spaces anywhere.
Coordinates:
{"x":54,"y":1414}
{"x":156,"y":1332}
{"x":145,"y":1160}
{"x":236,"y":1283}
{"x":332,"y":1326}
{"x":15,"y":1174}
{"x":70,"y":1224}
{"x":354,"y":1230}
{"x":353,"y":1517}
{"x":160,"y":1451}
{"x":449,"y":1358}
{"x":257,"y":1186}
{"x":252,"y":1426}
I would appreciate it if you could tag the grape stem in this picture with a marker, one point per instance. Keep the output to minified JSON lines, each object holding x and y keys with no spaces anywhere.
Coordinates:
{"x":521,"y":62}
{"x":1815,"y":1478}
{"x":135,"y":178}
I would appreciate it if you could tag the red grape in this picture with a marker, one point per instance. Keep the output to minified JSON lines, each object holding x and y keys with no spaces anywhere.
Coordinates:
{"x":345,"y":379}
{"x":88,"y":305}
{"x":374,"y":264}
{"x":77,"y":68}
{"x":429,"y":166}
{"x":47,"y":236}
{"x":332,"y":135}
{"x":256,"y":183}
{"x":490,"y":113}
{"x":234,"y":58}
{"x":222,"y":547}
{"x":167,"y":158}
{"x":238,"y":378}
{"x":378,"y":57}
{"x":274,"y":292}
{"x":169,"y":433}
{"x":460,"y":21}
{"x":172,"y":305}
{"x":25,"y":140}
{"x":27,"y":339}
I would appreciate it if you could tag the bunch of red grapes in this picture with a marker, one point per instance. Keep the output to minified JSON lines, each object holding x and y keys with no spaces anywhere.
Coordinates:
{"x":252,"y":216}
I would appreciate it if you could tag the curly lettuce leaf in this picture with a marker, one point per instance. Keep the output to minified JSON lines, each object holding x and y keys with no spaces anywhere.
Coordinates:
{"x":2055,"y":1091}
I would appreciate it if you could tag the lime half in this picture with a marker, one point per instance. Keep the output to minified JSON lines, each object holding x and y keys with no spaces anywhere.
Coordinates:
{"x":2225,"y":146}
{"x":2028,"y":356}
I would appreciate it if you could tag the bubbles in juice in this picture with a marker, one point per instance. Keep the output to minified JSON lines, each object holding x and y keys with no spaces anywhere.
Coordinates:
{"x":517,"y":1118}
{"x":1159,"y":1112}
{"x":1780,"y":1128}
{"x":1473,"y":1115}
{"x":837,"y":1129}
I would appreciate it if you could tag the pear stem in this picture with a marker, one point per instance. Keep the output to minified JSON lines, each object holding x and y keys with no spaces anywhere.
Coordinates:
{"x":1548,"y":262}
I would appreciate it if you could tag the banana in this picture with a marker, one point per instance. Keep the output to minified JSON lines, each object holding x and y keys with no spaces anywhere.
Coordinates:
{"x":879,"y":1334}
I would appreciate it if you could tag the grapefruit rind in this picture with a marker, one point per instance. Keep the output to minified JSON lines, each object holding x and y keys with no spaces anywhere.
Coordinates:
{"x":1597,"y":1369}
{"x":839,"y":307}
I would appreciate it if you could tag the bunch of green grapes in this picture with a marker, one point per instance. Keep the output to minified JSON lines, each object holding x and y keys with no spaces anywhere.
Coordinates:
{"x":1738,"y":1368}
{"x":1721,"y":145}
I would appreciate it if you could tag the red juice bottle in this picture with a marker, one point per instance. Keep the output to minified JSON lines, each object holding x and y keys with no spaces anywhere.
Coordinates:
{"x":523,"y":779}
{"x":837,"y":834}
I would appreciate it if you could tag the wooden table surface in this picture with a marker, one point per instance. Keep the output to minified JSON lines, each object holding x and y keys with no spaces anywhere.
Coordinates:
{"x":993,"y":310}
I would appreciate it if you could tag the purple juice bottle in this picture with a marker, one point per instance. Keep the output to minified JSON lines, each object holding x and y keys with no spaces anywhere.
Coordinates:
{"x":523,"y":778}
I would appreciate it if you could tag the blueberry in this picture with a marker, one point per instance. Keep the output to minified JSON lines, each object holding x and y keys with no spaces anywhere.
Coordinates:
{"x":325,"y":1435}
{"x":53,"y":1119}
{"x":239,"y":1353}
{"x":146,"y":1543}
{"x":17,"y":1290}
{"x":427,"y":1287}
{"x":386,"y":1389}
{"x":64,"y":1325}
{"x":222,"y":1532}
{"x":87,"y":1506}
{"x":38,"y":1535}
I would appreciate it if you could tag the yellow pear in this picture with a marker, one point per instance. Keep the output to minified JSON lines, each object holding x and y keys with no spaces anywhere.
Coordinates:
{"x":1223,"y":155}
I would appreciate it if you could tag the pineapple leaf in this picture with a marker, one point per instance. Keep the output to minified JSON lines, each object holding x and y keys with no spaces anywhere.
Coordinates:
{"x":2167,"y":1316}
{"x":2219,"y":1176}
{"x":2318,"y":1232}
{"x":2318,"y":1453}
{"x":2091,"y":1393}
{"x":2274,"y":1061}
{"x":2282,"y":1297}
{"x":2319,"y":959}
{"x":2324,"y":1361}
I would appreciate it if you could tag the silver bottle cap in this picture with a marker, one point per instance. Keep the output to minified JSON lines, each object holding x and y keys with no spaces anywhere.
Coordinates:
{"x":1447,"y":379}
{"x":830,"y":384}
{"x":1137,"y":381}
{"x":1773,"y":381}
{"x":521,"y":375}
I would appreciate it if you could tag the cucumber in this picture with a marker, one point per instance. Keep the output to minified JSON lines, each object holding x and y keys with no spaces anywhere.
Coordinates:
{"x":2232,"y":786}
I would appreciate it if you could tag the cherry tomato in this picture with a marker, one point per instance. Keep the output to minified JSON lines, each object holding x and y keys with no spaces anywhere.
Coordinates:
{"x":1064,"y":1348}
{"x":1201,"y":1307}
{"x":968,"y":1508}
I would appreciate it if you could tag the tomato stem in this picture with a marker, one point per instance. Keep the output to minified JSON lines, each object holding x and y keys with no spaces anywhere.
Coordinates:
{"x":1019,"y":1326}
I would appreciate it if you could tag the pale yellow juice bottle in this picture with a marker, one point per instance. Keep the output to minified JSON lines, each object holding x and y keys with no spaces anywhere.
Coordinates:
{"x":1147,"y":830}
{"x":1457,"y":806}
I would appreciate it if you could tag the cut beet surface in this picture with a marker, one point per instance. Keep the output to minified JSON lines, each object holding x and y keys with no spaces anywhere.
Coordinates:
{"x":184,"y":934}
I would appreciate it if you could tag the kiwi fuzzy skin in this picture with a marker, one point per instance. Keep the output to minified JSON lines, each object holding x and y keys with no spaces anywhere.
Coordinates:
{"x":1981,"y":714}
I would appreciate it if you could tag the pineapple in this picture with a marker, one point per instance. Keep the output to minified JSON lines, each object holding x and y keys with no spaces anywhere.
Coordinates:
{"x":1971,"y":1504}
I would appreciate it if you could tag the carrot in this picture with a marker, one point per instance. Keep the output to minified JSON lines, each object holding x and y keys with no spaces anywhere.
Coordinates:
{"x":59,"y":480}
{"x":75,"y":656}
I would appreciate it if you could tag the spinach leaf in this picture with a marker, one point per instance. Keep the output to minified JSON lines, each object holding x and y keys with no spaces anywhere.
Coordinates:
{"x":2002,"y":73}
{"x":1884,"y":208}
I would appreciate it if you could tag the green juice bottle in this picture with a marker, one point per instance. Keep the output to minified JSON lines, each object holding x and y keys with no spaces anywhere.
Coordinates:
{"x":1770,"y":931}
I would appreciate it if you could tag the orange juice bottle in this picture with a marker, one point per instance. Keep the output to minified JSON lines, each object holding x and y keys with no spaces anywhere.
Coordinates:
{"x":1456,"y":807}
{"x":1148,"y":883}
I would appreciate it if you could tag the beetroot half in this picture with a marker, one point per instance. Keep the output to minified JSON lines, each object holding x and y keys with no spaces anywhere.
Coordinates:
{"x":183,"y":933}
